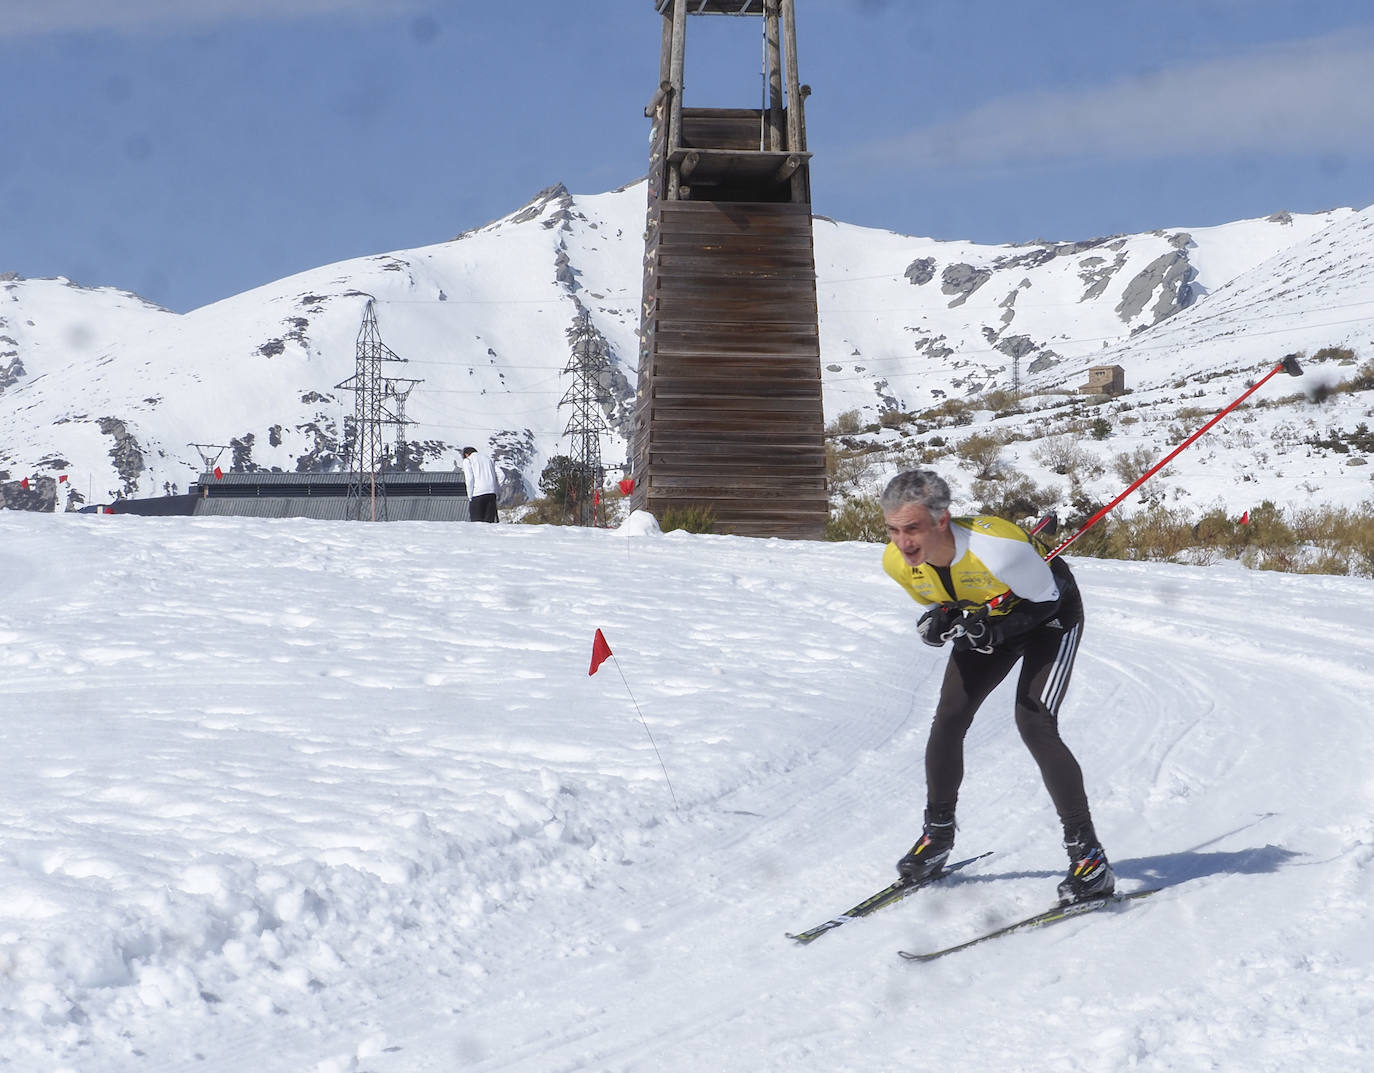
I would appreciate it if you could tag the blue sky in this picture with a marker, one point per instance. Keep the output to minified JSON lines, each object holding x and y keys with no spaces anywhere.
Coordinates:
{"x":192,"y":149}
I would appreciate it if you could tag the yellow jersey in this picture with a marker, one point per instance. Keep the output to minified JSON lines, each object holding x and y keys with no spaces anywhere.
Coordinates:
{"x":991,"y":556}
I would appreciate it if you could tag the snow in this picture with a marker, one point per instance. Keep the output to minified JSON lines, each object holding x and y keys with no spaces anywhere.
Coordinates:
{"x":115,"y":393}
{"x":305,"y":796}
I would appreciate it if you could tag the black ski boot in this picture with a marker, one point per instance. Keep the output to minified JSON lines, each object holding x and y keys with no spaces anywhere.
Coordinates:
{"x":1090,"y":873}
{"x":928,"y":855}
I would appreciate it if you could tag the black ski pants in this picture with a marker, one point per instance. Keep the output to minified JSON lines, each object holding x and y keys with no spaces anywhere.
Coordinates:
{"x":482,"y":508}
{"x":1046,"y":654}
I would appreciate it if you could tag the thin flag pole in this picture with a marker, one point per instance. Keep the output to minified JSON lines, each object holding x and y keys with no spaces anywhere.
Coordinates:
{"x":649,"y":733}
{"x":601,"y":651}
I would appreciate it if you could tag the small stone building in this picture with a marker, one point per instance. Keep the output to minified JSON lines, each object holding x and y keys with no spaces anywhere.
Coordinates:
{"x":1104,"y":380}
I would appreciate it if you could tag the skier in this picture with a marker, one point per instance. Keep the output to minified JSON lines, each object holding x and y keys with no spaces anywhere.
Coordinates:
{"x":956,"y":567}
{"x":480,"y":475}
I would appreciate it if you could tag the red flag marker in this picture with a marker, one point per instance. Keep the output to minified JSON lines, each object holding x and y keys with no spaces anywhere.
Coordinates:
{"x":219,"y":474}
{"x":627,"y":486}
{"x":62,"y":479}
{"x":601,"y":652}
{"x":1245,"y":518}
{"x":24,"y":483}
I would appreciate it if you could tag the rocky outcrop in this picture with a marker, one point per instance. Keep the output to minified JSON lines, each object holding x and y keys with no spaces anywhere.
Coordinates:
{"x":921,"y":271}
{"x":40,"y":495}
{"x":563,"y":270}
{"x":1097,"y":273}
{"x":1017,"y":346}
{"x":126,"y":454}
{"x":11,"y":370}
{"x":1044,"y":252}
{"x":539,"y":204}
{"x":242,"y":446}
{"x":1169,"y":275}
{"x":962,"y":280}
{"x":512,"y":452}
{"x":323,"y":456}
{"x":614,"y":394}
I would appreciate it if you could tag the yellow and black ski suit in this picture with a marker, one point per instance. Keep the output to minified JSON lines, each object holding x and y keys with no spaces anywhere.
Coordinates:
{"x":1039,"y":623}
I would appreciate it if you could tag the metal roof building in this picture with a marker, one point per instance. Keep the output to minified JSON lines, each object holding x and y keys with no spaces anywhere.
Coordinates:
{"x":428,"y":497}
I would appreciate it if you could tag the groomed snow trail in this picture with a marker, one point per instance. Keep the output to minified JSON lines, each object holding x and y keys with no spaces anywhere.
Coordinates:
{"x":343,"y":799}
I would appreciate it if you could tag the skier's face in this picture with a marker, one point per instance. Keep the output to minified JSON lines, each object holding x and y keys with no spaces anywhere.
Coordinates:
{"x":920,"y":536}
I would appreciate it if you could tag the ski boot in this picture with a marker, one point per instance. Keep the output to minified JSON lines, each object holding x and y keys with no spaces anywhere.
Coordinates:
{"x":1090,"y":873}
{"x":925,"y":859}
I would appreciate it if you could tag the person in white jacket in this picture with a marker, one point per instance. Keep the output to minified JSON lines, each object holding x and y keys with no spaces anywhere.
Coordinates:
{"x":481,"y":478}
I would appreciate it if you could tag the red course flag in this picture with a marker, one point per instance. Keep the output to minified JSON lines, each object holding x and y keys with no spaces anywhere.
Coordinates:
{"x":601,"y":652}
{"x":62,"y":479}
{"x":1245,"y":518}
{"x":219,"y":474}
{"x":24,"y":483}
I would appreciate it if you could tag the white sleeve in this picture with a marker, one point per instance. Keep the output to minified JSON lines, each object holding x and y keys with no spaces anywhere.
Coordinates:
{"x":1018,"y":564}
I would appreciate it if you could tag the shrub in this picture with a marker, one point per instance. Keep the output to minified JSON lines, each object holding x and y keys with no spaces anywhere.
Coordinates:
{"x":1062,"y":455}
{"x":857,"y":518}
{"x":1363,"y":380}
{"x":1002,"y":400}
{"x":1334,"y":353}
{"x":1131,"y":467}
{"x":559,"y":476}
{"x":985,"y":452}
{"x":848,"y":423}
{"x":1323,"y":540}
{"x":1015,"y":498}
{"x":950,"y":412}
{"x":848,"y":468}
{"x":696,"y":518}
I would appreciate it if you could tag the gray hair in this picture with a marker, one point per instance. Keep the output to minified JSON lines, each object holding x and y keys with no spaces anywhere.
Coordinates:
{"x":922,"y":486}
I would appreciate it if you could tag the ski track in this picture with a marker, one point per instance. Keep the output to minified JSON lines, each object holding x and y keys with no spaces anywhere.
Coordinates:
{"x":558,"y":914}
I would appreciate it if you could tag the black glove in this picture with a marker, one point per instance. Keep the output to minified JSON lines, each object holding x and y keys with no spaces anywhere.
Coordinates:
{"x":979,"y":634}
{"x":935,"y":624}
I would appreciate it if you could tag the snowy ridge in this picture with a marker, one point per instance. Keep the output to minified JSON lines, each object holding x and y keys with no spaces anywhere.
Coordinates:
{"x":386,"y":823}
{"x":112,"y":391}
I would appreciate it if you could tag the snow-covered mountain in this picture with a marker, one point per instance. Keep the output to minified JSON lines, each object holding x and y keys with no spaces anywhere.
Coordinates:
{"x":112,"y":392}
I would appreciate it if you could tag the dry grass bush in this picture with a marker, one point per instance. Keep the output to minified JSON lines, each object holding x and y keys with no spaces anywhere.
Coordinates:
{"x":545,"y":510}
{"x":849,"y":469}
{"x":949,"y":412}
{"x":1325,"y":540}
{"x":1315,"y":540}
{"x":857,"y":518}
{"x":690,"y":519}
{"x":1016,"y":497}
{"x":1063,"y":455}
{"x":1001,"y":399}
{"x":1130,"y":466}
{"x":849,"y":423}
{"x":985,"y":452}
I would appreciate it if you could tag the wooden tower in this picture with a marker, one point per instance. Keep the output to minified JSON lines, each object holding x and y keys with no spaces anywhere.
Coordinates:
{"x":728,"y":414}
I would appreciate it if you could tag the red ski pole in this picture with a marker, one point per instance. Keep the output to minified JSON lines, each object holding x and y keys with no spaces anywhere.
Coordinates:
{"x":1288,"y":365}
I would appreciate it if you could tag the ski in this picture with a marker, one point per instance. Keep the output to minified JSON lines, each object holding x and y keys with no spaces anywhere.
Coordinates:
{"x":885,"y":897}
{"x":1039,"y":920}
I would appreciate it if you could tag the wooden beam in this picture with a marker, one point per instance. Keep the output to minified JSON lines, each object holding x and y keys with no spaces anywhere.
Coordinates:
{"x":788,"y":167}
{"x":677,"y":65}
{"x":664,"y":89}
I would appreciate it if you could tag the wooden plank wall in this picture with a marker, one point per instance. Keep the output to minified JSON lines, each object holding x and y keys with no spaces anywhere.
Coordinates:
{"x":729,"y":410}
{"x":723,"y":128}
